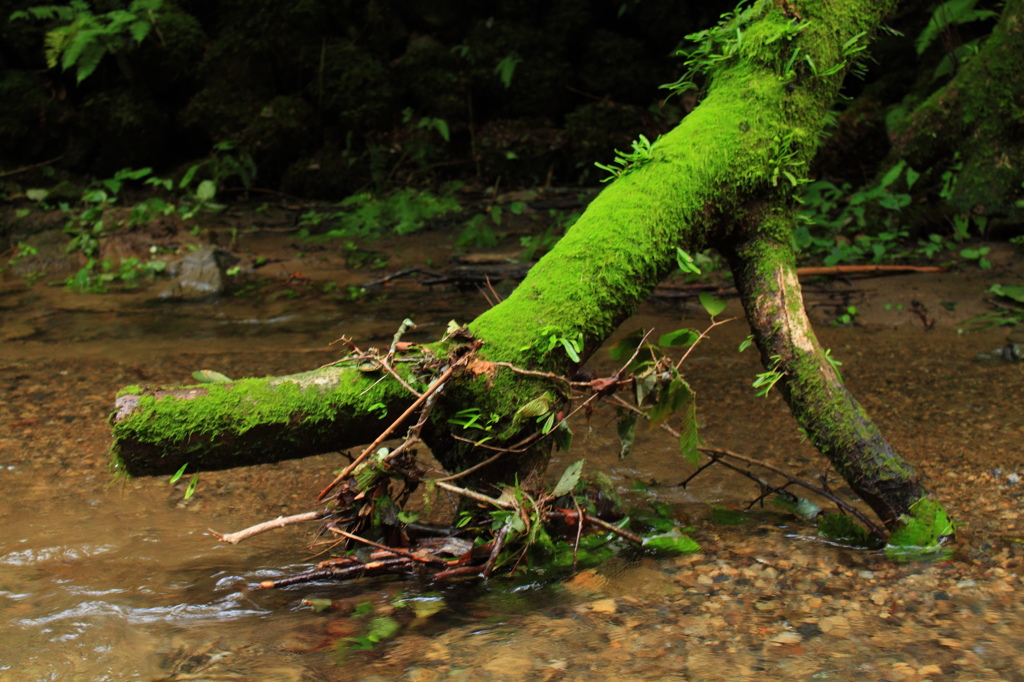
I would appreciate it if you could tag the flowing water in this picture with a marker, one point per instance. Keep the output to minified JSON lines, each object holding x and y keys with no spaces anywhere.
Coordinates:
{"x":103,"y":580}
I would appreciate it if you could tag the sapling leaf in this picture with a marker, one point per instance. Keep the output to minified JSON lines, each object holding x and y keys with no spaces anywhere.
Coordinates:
{"x":570,"y":477}
{"x":680,"y":338}
{"x":535,"y":408}
{"x":673,"y":399}
{"x":688,"y":438}
{"x":570,"y":349}
{"x":713,"y":305}
{"x":893,"y":174}
{"x":685,"y":262}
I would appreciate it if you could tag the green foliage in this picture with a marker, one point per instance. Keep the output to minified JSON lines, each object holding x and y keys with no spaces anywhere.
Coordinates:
{"x":193,"y":483}
{"x":685,"y":262}
{"x":506,"y":68}
{"x":628,"y":162}
{"x":570,"y":477}
{"x":430,"y":123}
{"x":921,"y":533}
{"x":977,"y":255}
{"x":712,"y":47}
{"x":787,"y":161}
{"x":712,"y":304}
{"x":84,"y":37}
{"x":766,"y":381}
{"x":366,"y":215}
{"x":831,"y":214}
{"x":1009,"y":313}
{"x":951,"y":12}
{"x":95,"y":218}
{"x":847,"y":316}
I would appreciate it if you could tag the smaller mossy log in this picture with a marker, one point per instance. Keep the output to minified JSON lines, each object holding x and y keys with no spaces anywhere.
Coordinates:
{"x":252,"y":421}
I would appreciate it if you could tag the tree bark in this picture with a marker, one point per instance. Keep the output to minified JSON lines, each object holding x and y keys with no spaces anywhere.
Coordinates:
{"x":722,"y":177}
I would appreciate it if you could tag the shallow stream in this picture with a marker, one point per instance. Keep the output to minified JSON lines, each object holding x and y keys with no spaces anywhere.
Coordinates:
{"x":120,"y":581}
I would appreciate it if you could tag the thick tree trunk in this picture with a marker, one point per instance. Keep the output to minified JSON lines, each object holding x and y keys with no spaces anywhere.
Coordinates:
{"x":720,"y":179}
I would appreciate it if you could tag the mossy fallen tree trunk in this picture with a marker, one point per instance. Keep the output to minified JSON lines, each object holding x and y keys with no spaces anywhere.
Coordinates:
{"x":722,"y":178}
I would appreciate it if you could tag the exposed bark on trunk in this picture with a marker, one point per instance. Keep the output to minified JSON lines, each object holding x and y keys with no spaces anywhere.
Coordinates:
{"x":735,"y":154}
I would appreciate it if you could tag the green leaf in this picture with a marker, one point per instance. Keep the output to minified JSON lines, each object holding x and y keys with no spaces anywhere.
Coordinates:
{"x":206,"y":191}
{"x":627,"y":433}
{"x":36,"y":194}
{"x":570,"y":349}
{"x":713,"y":305}
{"x":208,"y":376}
{"x":382,"y":628}
{"x":644,"y":385}
{"x":680,"y":338}
{"x":685,"y":262}
{"x":673,"y":399}
{"x":139,"y":30}
{"x":912,"y":176}
{"x":623,"y":350}
{"x":893,"y":174}
{"x":570,"y":477}
{"x":562,"y":436}
{"x":192,"y":485}
{"x":672,"y":543}
{"x":441,"y":126}
{"x":178,"y":474}
{"x":688,"y":438}
{"x":535,"y":408}
{"x":1011,"y":291}
{"x":923,"y":529}
{"x":408,"y":517}
{"x":187,"y":177}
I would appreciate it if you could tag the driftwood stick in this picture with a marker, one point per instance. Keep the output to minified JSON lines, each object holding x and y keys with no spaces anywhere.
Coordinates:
{"x":279,"y":522}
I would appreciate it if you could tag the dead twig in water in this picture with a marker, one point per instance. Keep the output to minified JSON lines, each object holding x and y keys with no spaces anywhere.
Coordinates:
{"x":279,"y":522}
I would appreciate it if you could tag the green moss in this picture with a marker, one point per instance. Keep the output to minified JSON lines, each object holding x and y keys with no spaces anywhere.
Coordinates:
{"x":132,"y":389}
